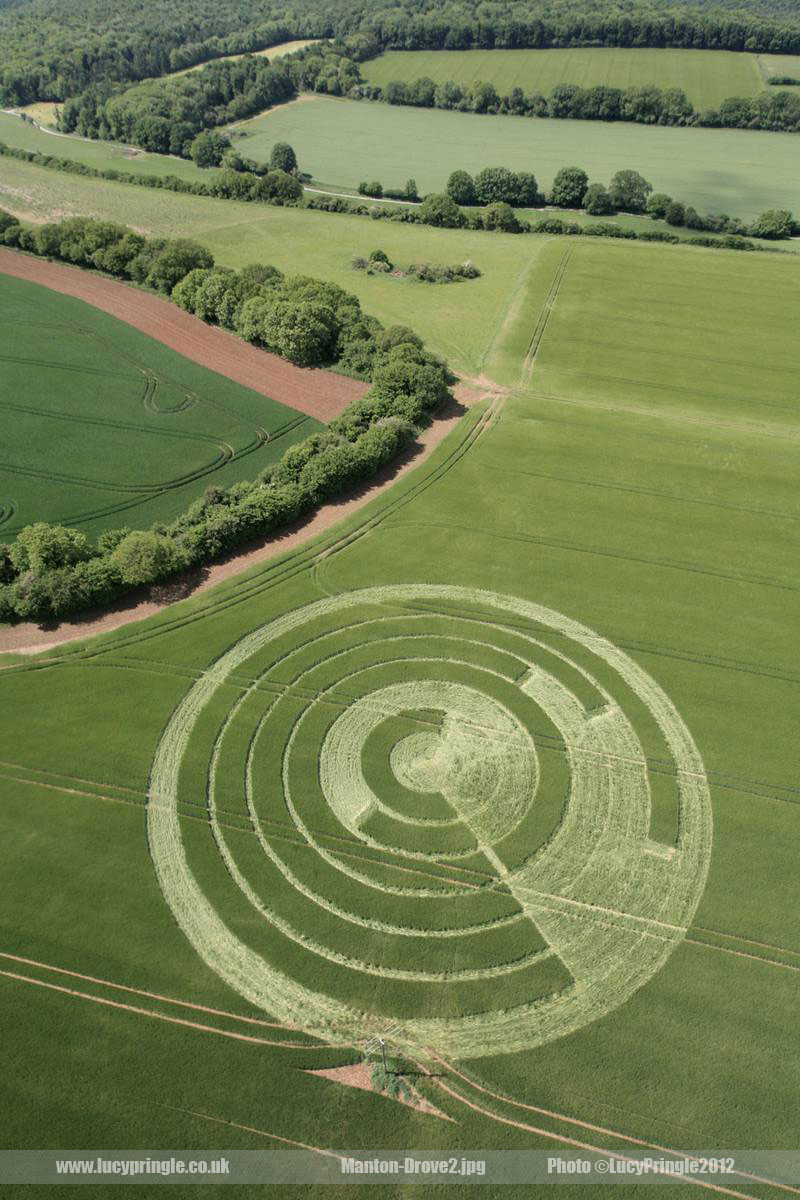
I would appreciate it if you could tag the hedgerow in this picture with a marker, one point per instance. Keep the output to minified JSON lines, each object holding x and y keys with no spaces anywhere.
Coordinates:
{"x":52,"y":570}
{"x":648,"y":105}
{"x":442,"y":210}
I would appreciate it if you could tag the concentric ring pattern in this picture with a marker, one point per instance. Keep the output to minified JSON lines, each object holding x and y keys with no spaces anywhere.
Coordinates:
{"x":435,"y":809}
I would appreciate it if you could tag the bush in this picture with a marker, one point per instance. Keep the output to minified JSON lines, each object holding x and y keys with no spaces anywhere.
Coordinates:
{"x":500,"y":217}
{"x":305,"y":333}
{"x":674,"y":213}
{"x":177,"y":259}
{"x":774,"y":223}
{"x":629,"y":191}
{"x":657,"y":205}
{"x":440,"y":210}
{"x":42,"y":546}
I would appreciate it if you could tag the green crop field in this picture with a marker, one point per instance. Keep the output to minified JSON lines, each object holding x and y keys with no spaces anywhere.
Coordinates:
{"x":345,"y":141}
{"x":500,"y":769}
{"x":706,"y":76}
{"x":106,"y":427}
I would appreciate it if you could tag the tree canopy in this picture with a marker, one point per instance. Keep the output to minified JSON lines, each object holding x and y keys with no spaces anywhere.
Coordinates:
{"x":53,"y":49}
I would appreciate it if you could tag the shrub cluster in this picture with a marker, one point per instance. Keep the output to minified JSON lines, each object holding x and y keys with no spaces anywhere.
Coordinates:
{"x":157,"y":263}
{"x":53,"y":570}
{"x":378,"y":263}
{"x":377,"y":191}
{"x":308,"y":321}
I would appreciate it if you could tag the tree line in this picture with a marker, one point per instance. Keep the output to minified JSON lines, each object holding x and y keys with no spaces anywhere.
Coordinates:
{"x":489,"y":198}
{"x":52,"y":570}
{"x":52,"y":50}
{"x":647,"y":105}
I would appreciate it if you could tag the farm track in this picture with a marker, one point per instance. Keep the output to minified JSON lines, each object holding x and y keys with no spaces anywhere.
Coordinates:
{"x":32,"y":639}
{"x":317,"y":393}
{"x":137,"y":1010}
{"x":121,"y":987}
{"x":584,"y":548}
{"x":642,"y":491}
{"x":544,"y":315}
{"x":590,"y":1127}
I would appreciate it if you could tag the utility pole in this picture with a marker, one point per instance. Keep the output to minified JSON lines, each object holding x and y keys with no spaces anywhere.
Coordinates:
{"x":383,"y":1052}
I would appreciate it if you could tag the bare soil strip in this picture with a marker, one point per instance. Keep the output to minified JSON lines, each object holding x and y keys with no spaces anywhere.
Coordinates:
{"x":29,"y":638}
{"x":359,"y":1075}
{"x":316,"y":393}
{"x":276,"y":1137}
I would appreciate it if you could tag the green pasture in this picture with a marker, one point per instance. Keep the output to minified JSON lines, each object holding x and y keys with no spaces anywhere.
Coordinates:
{"x":638,"y":476}
{"x":706,"y":76}
{"x":461,"y":321}
{"x":458,"y":320}
{"x":771,"y":65}
{"x":346,"y":141}
{"x":106,"y":427}
{"x":102,"y":156}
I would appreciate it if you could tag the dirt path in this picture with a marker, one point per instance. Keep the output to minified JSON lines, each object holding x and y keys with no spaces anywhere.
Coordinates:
{"x":158,"y":1016}
{"x":29,"y":638}
{"x":592,"y":1149}
{"x":588,"y":1125}
{"x":317,"y":393}
{"x":123,"y":987}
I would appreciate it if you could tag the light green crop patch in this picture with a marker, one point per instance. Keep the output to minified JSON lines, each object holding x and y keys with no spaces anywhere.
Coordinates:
{"x":600,"y":904}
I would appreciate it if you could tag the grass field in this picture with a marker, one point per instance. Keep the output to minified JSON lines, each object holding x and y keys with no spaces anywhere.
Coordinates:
{"x":313,"y":243}
{"x":771,"y":65}
{"x":317,"y":244}
{"x":345,"y":141}
{"x":706,"y":76}
{"x":106,"y":427}
{"x":102,"y":156}
{"x":338,"y":819}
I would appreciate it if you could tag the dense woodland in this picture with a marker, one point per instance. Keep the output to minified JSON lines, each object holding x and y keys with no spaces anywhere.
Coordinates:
{"x":165,"y":115}
{"x":53,"y":49}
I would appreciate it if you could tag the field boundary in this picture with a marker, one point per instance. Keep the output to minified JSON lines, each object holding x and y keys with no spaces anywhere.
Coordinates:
{"x":317,"y":393}
{"x":30,"y":638}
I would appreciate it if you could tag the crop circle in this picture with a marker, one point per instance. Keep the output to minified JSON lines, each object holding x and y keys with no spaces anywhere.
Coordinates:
{"x":433,"y":809}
